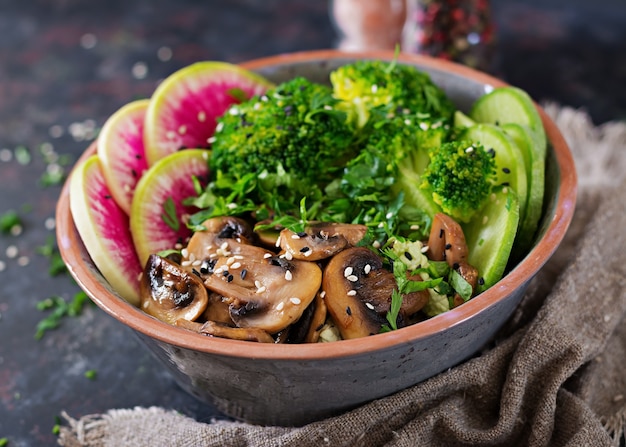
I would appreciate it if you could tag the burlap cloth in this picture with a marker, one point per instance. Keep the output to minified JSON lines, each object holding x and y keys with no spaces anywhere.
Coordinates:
{"x":555,"y":375}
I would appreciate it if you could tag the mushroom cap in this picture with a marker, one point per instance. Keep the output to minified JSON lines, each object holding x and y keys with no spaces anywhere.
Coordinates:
{"x":169,"y":293}
{"x":321,"y":240}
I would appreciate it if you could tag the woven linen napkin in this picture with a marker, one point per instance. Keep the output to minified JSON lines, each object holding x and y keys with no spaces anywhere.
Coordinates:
{"x":554,"y":376}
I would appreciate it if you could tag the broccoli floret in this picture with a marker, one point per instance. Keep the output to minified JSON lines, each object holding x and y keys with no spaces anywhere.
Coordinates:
{"x":295,"y":126}
{"x":459,"y":177}
{"x":396,"y":88}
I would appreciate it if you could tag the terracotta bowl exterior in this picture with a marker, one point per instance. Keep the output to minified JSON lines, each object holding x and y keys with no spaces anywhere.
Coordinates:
{"x":296,"y":384}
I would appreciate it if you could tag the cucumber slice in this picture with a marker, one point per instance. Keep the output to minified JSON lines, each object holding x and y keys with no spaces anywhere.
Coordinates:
{"x":490,"y":236}
{"x":510,"y":166}
{"x":510,"y":105}
{"x":462,"y":120}
{"x":535,"y":172}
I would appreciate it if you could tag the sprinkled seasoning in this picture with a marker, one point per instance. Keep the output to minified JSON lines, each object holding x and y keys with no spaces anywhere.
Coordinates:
{"x":288,"y":275}
{"x":352,"y":278}
{"x":347,"y":272}
{"x":295,"y":300}
{"x":348,"y":310}
{"x":408,"y":255}
{"x":243,"y":274}
{"x":369,"y":306}
{"x":351,"y":292}
{"x":367,"y":269}
{"x":506,"y":170}
{"x":280,"y":306}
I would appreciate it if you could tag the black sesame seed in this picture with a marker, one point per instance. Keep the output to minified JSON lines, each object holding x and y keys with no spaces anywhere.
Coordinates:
{"x":225,"y":273}
{"x":505,"y":183}
{"x":229,"y":278}
{"x":138,"y":156}
{"x":107,"y":196}
{"x":301,"y":234}
{"x":441,"y":233}
{"x":455,"y":266}
{"x":304,"y":249}
{"x":348,"y":310}
{"x":134,"y":173}
{"x":195,"y":272}
{"x":448,"y":246}
{"x":506,"y":170}
{"x":408,"y":255}
{"x":481,"y":281}
{"x":492,"y":152}
{"x":243,"y":274}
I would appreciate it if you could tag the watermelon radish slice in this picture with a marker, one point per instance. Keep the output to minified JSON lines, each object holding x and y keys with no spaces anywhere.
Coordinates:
{"x":184,"y":106}
{"x":156,"y":218}
{"x":104,"y":228}
{"x":121,"y":151}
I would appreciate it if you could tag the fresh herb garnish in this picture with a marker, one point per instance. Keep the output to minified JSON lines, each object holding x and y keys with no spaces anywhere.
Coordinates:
{"x":50,"y":251}
{"x":8,"y":221}
{"x":169,"y":214}
{"x":91,"y":374}
{"x":60,"y":309}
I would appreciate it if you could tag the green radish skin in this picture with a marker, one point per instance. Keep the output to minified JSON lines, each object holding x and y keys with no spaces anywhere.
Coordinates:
{"x":510,"y":105}
{"x":104,"y":229}
{"x":121,"y":151}
{"x":171,"y":177}
{"x":510,"y":165}
{"x":184,"y":107}
{"x":491,"y":234}
{"x":535,"y":170}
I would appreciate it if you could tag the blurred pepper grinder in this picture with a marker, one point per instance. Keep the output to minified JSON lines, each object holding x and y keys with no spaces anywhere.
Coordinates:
{"x":457,"y":30}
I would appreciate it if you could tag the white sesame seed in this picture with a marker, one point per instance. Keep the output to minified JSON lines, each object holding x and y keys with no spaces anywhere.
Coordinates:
{"x":469,"y":150}
{"x":257,"y":284}
{"x":185,"y":263}
{"x":230,"y":261}
{"x":196,"y":263}
{"x":295,"y":236}
{"x":389,"y":215}
{"x":219,"y":127}
{"x":415,"y":227}
{"x":348,"y":271}
{"x":505,"y":190}
{"x":308,"y":253}
{"x":374,"y":88}
{"x":232,"y":205}
{"x":50,"y":223}
{"x":280,"y":305}
{"x":424,"y":126}
{"x":209,"y":248}
{"x":424,"y":249}
{"x":352,"y":278}
{"x":211,"y":140}
{"x":267,"y":255}
{"x":202,"y":116}
{"x":367,"y":269}
{"x":288,"y":275}
{"x":233,"y":111}
{"x":407,"y":122}
{"x":261,"y":289}
{"x":376,"y":244}
{"x":12,"y":251}
{"x":184,"y":253}
{"x":278,"y":241}
{"x":288,"y":256}
{"x":493,"y":196}
{"x":182,"y":130}
{"x":164,"y":54}
{"x":218,"y":270}
{"x":370,"y":306}
{"x":192,"y":257}
{"x":295,"y":300}
{"x":236,"y":265}
{"x":351,"y":292}
{"x":224,"y":245}
{"x":323,"y":294}
{"x":238,"y":257}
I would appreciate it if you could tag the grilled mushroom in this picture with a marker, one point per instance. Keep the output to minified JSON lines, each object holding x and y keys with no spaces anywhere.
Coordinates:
{"x":236,"y":333}
{"x":169,"y":292}
{"x":446,"y":241}
{"x":358,"y":293}
{"x":321,"y":240}
{"x":264,"y":290}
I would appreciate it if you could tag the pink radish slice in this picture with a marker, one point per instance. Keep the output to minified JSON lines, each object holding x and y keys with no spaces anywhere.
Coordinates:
{"x":169,"y":180}
{"x":184,"y":107}
{"x":121,"y":151}
{"x":104,"y":228}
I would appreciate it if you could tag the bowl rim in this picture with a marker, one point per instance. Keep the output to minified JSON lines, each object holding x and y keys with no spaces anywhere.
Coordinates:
{"x":70,"y":244}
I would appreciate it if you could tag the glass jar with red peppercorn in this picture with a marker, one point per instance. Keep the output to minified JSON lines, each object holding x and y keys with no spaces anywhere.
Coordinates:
{"x":458,"y":30}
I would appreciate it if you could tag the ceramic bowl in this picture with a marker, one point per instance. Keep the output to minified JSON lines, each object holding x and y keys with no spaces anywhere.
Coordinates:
{"x":296,"y":384}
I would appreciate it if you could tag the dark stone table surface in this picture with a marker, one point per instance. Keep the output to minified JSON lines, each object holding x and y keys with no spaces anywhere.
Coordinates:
{"x":66,"y":65}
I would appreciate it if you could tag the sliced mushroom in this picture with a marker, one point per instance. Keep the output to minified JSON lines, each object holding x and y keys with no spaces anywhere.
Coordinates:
{"x":170,"y":293}
{"x":358,"y":293}
{"x":221,"y":234}
{"x":469,"y":274}
{"x":318,"y":319}
{"x":217,"y":309}
{"x":321,"y":240}
{"x":235,"y":333}
{"x":264,"y":290}
{"x":446,"y":241}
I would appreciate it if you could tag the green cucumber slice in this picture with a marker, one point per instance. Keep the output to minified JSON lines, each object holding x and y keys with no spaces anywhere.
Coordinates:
{"x":462,"y":120}
{"x":510,"y":105}
{"x":490,"y":236}
{"x":535,"y":172}
{"x":510,"y":166}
